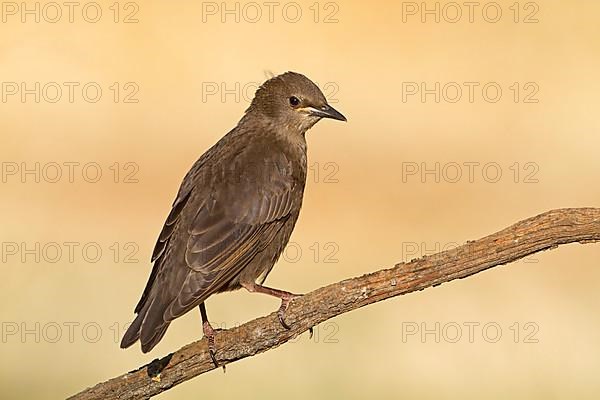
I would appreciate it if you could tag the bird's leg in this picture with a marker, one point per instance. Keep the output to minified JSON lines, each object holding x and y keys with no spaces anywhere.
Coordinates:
{"x":285,"y":297}
{"x":209,"y":333}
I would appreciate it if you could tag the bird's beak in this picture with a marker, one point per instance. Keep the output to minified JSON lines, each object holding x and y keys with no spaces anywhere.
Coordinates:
{"x":326,"y":111}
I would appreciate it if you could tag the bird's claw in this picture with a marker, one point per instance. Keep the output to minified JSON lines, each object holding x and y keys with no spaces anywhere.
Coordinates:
{"x":280,"y":314}
{"x":211,"y":352}
{"x":209,"y":333}
{"x":284,"y":305}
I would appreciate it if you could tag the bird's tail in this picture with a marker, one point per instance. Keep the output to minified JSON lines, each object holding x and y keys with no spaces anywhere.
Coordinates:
{"x":153,"y":332}
{"x":133,"y":332}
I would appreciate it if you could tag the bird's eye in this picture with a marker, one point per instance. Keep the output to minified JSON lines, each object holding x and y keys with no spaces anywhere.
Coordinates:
{"x":294,"y":101}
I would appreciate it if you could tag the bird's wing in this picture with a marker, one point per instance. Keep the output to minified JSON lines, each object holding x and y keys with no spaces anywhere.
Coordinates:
{"x":218,"y":248}
{"x":172,"y":221}
{"x":214,"y":230}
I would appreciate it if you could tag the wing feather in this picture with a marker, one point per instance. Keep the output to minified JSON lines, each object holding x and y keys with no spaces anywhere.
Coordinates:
{"x":222,"y":218}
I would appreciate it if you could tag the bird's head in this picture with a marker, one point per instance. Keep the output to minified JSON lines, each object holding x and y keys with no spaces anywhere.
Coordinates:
{"x":293,"y":100}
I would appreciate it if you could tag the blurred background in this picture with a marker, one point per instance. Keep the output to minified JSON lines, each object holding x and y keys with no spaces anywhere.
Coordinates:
{"x":462,"y":120}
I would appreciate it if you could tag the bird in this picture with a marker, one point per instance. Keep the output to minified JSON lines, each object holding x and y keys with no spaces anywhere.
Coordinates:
{"x":234,"y":212}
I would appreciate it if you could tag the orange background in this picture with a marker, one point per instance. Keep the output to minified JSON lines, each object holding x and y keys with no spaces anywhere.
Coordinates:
{"x":372,"y":215}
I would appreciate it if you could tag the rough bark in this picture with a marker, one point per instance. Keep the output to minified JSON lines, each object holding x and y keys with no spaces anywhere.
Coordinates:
{"x":542,"y":232}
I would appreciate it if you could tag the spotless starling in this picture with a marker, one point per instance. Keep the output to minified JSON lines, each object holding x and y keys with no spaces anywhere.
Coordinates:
{"x":234,"y":212}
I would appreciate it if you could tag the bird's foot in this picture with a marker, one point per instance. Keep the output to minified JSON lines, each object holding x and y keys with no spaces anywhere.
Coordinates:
{"x":286,"y":298}
{"x":285,"y":301}
{"x":209,"y":334}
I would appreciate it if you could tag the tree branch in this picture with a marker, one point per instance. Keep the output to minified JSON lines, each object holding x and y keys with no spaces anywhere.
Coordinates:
{"x":542,"y":232}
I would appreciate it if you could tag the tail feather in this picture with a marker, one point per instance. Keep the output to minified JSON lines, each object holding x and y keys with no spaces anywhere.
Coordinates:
{"x":131,"y":336}
{"x":146,"y":327}
{"x":133,"y":332}
{"x":159,"y":332}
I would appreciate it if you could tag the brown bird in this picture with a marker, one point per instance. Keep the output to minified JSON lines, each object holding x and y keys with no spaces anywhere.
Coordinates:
{"x":234,"y":212}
